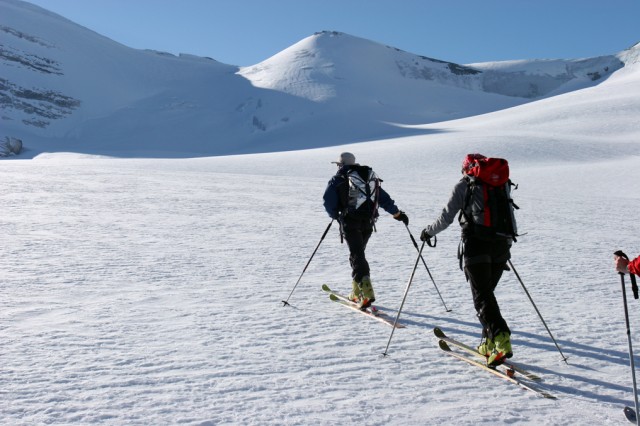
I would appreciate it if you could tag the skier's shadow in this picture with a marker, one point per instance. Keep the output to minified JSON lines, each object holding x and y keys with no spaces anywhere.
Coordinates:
{"x":576,"y":353}
{"x":570,"y":348}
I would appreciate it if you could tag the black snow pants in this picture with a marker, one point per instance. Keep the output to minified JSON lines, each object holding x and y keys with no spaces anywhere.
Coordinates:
{"x":485,"y":261}
{"x":357,"y":231}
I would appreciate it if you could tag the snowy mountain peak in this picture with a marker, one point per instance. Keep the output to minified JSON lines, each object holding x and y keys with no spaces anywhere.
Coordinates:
{"x":319,"y":66}
{"x":65,"y":87}
{"x":358,"y":44}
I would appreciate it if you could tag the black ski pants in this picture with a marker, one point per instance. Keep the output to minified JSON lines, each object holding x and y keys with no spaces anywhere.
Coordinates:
{"x":485,"y":261}
{"x":357,"y":231}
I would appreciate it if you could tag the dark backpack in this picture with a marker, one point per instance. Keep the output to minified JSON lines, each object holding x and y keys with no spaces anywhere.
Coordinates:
{"x":488,"y":209}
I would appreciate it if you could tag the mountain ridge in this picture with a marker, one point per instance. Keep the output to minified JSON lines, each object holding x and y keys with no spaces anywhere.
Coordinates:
{"x":67,"y":87}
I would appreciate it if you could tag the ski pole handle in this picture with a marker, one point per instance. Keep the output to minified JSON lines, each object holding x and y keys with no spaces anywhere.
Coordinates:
{"x":620,"y":253}
{"x":634,"y":284}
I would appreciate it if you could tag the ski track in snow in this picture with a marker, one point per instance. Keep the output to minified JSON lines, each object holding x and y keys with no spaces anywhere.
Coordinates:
{"x":149,"y":292}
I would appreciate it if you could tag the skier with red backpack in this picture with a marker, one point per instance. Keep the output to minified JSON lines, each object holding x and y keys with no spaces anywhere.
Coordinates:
{"x":352,"y":197}
{"x":482,"y":201}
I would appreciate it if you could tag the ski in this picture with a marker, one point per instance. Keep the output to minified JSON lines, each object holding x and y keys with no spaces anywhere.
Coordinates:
{"x":371,"y":312}
{"x":380,"y":316}
{"x":630,"y":413}
{"x":440,"y":335}
{"x":445,"y":347}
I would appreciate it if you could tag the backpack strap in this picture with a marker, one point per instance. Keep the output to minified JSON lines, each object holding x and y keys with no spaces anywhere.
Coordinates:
{"x":343,"y":191}
{"x":515,"y":206}
{"x":487,"y":204}
{"x":467,"y":199}
{"x":376,"y":202}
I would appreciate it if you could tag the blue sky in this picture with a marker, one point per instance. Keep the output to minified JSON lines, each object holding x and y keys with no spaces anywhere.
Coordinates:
{"x":245,"y":32}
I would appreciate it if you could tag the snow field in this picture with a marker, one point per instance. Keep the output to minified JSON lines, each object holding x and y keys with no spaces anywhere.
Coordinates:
{"x":148,"y":291}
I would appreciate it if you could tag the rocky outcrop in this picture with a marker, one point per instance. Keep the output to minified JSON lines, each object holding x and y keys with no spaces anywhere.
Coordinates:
{"x":10,"y":146}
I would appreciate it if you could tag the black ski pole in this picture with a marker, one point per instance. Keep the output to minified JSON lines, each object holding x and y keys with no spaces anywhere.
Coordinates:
{"x":564,"y":358}
{"x":415,"y":244}
{"x":286,"y":302}
{"x":634,"y":284}
{"x":634,"y":287}
{"x":413,"y":272}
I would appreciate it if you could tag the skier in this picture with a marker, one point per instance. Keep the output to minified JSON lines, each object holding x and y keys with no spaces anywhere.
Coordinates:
{"x":352,"y":197}
{"x":485,"y":253}
{"x":626,"y":266}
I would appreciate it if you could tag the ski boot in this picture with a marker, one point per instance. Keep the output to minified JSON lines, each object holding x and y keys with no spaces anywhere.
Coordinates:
{"x":502,"y":349}
{"x":356,"y":293}
{"x":368,"y":296}
{"x":486,"y":347}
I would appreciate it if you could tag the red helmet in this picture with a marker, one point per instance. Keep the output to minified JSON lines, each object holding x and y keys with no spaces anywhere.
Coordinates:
{"x":470,"y":160}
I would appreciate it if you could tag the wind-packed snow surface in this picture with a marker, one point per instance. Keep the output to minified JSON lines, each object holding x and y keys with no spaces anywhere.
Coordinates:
{"x":149,"y":291}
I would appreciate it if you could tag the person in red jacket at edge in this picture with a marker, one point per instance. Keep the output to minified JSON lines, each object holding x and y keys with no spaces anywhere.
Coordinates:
{"x":627,"y":267}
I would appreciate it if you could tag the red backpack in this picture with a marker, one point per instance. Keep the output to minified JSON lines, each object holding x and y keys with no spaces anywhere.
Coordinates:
{"x":491,"y":215}
{"x":492,"y":171}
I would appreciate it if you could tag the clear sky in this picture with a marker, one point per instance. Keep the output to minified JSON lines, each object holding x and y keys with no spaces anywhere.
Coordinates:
{"x":245,"y":32}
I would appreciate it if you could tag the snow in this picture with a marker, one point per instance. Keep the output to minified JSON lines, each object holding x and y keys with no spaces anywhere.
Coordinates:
{"x":148,"y":291}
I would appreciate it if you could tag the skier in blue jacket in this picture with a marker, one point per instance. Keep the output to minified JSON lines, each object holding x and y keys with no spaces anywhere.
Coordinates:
{"x":353,"y":197}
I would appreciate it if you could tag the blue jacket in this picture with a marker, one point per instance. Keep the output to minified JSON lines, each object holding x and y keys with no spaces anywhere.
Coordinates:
{"x":337,"y":192}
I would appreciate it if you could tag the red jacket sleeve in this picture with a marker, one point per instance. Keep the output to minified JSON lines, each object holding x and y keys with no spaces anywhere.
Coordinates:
{"x":634,"y":266}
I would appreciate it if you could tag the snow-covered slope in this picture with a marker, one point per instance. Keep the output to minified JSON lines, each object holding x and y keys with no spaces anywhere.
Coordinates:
{"x":66,"y":88}
{"x":593,"y":123}
{"x":540,"y":78}
{"x":148,"y":291}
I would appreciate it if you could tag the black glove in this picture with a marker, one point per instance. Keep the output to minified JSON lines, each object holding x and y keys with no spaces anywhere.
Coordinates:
{"x":424,"y":236}
{"x":401,"y":216}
